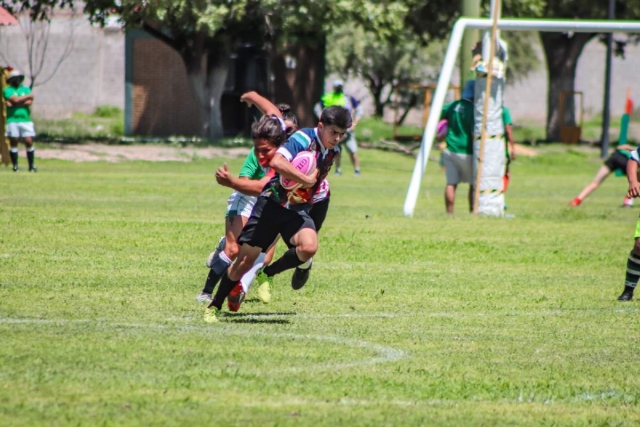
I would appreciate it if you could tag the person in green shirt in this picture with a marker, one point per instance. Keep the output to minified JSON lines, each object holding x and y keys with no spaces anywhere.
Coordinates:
{"x":457,"y":157}
{"x":19,"y":125}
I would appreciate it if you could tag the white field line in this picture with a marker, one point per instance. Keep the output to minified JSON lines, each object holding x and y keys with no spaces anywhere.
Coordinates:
{"x":382,"y":354}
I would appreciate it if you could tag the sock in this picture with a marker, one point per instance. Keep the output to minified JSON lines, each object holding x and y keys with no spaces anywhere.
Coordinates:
{"x":287,"y":261}
{"x":633,"y":272}
{"x":627,"y":202}
{"x":226,"y":286}
{"x":14,"y":156}
{"x":250,"y":275}
{"x":306,"y":265}
{"x":31,"y":154}
{"x":218,"y":266}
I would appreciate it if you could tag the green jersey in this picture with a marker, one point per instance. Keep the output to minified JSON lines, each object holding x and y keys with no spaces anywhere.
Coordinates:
{"x":251,"y":167}
{"x":19,"y":114}
{"x":459,"y":115}
{"x":506,"y":116}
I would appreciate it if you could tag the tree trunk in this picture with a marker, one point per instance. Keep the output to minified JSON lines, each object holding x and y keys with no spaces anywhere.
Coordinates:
{"x":207,"y":70}
{"x":298,"y":73}
{"x":562,"y":51}
{"x":376,"y":94}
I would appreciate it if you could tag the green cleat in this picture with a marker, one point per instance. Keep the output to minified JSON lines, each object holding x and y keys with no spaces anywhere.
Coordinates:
{"x":211,"y":315}
{"x":264,"y":287}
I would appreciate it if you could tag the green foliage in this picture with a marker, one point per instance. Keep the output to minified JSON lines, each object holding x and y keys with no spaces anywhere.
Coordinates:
{"x":108,"y":112}
{"x":106,"y":122}
{"x":423,"y":321}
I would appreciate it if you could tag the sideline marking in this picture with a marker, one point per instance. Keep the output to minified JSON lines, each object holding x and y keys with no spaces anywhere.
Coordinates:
{"x":382,"y":353}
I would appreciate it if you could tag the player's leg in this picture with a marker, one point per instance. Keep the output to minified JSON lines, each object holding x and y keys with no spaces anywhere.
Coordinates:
{"x":27,"y":132}
{"x":602,"y":174}
{"x":633,"y":269}
{"x":219,"y":264}
{"x":453,"y":178}
{"x":352,"y":149}
{"x":260,"y":232}
{"x":13,"y":143}
{"x":337,"y":160}
{"x":318,"y":214}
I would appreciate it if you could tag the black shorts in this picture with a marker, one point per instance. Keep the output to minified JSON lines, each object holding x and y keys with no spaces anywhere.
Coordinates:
{"x":617,"y":161}
{"x":268,"y":219}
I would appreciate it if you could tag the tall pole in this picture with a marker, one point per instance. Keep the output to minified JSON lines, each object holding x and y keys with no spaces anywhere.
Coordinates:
{"x":495,"y":13}
{"x":470,"y":9}
{"x":606,"y":109}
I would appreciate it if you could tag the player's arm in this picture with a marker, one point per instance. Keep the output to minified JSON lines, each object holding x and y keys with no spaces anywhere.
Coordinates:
{"x":281,"y":164}
{"x":263,"y":104}
{"x":512,"y":144}
{"x":632,"y":175}
{"x":243,"y":184}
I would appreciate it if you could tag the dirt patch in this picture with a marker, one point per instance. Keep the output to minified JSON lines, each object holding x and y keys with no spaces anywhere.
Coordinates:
{"x":123,"y":153}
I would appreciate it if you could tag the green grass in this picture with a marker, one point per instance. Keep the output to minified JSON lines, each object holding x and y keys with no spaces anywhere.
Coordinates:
{"x":373,"y":129}
{"x":422,"y":321}
{"x":105,"y":122}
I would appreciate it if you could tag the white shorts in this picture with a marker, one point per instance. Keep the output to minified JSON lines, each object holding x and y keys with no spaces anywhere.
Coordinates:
{"x":240,"y":205}
{"x":20,"y":130}
{"x":458,"y":167}
{"x":350,"y":142}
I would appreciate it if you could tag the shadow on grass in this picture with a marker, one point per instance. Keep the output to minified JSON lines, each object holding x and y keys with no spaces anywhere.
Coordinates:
{"x":259,"y":318}
{"x":270,"y":314}
{"x":253,"y":320}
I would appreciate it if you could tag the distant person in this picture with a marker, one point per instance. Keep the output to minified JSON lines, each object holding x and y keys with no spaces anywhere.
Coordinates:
{"x":617,"y":162}
{"x":19,"y":125}
{"x":339,"y":98}
{"x":511,"y":144}
{"x":633,"y":262}
{"x":457,"y":157}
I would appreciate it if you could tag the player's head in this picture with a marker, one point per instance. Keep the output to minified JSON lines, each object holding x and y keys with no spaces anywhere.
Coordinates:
{"x":290,"y":119}
{"x":15,"y":78}
{"x":268,"y":134}
{"x":338,"y":86}
{"x":334,"y":122}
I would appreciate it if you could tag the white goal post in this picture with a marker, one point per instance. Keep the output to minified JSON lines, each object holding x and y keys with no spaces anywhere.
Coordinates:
{"x":583,"y":26}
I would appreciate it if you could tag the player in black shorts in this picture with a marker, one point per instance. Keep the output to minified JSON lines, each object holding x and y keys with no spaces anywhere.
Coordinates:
{"x":617,"y":162}
{"x":286,"y":213}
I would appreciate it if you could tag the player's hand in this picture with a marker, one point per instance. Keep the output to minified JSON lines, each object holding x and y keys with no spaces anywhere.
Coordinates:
{"x":223,"y":176}
{"x":311,"y":180}
{"x":512,"y":153}
{"x":246,"y":98}
{"x":634,"y":190}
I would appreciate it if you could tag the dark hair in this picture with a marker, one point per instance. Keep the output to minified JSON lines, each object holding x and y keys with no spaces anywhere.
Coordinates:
{"x":287,"y":114}
{"x":337,"y":116}
{"x":269,"y":128}
{"x":285,"y":110}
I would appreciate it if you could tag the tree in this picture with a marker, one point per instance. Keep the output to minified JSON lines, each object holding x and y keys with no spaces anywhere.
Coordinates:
{"x":384,"y":65}
{"x":562,"y":50}
{"x":37,"y":36}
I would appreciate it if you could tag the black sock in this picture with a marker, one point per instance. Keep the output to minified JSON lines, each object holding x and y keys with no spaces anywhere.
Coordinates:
{"x":14,"y":158}
{"x":212,"y":281}
{"x":31,"y":154}
{"x":633,"y":272}
{"x":226,"y":286}
{"x":287,"y":261}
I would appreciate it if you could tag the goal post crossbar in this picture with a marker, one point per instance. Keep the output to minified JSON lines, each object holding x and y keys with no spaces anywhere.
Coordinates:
{"x":582,"y":26}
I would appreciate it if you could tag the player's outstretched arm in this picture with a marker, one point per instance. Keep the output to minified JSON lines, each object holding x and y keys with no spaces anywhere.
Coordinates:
{"x":243,"y":184}
{"x":263,"y":104}
{"x":632,"y":176}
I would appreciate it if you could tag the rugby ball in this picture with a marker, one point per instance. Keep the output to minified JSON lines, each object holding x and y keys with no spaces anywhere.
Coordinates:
{"x":441,"y":130}
{"x":305,"y":162}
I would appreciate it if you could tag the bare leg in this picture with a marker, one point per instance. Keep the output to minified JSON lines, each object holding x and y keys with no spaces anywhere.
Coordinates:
{"x":355,"y":160}
{"x":599,"y":178}
{"x":472,"y":196}
{"x":450,"y":197}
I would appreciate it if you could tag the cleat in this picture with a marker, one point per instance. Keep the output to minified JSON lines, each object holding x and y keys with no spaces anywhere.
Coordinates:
{"x":575,"y":202}
{"x":264,"y":287}
{"x":625,"y":296}
{"x":357,"y":172}
{"x":338,"y":171}
{"x":300,"y":277}
{"x":204,"y":297}
{"x":15,"y":168}
{"x":235,"y":298}
{"x":221,"y":243}
{"x":211,"y":315}
{"x":33,"y":169}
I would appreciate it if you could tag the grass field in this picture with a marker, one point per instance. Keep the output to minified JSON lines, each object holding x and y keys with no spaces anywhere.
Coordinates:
{"x":423,"y":321}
